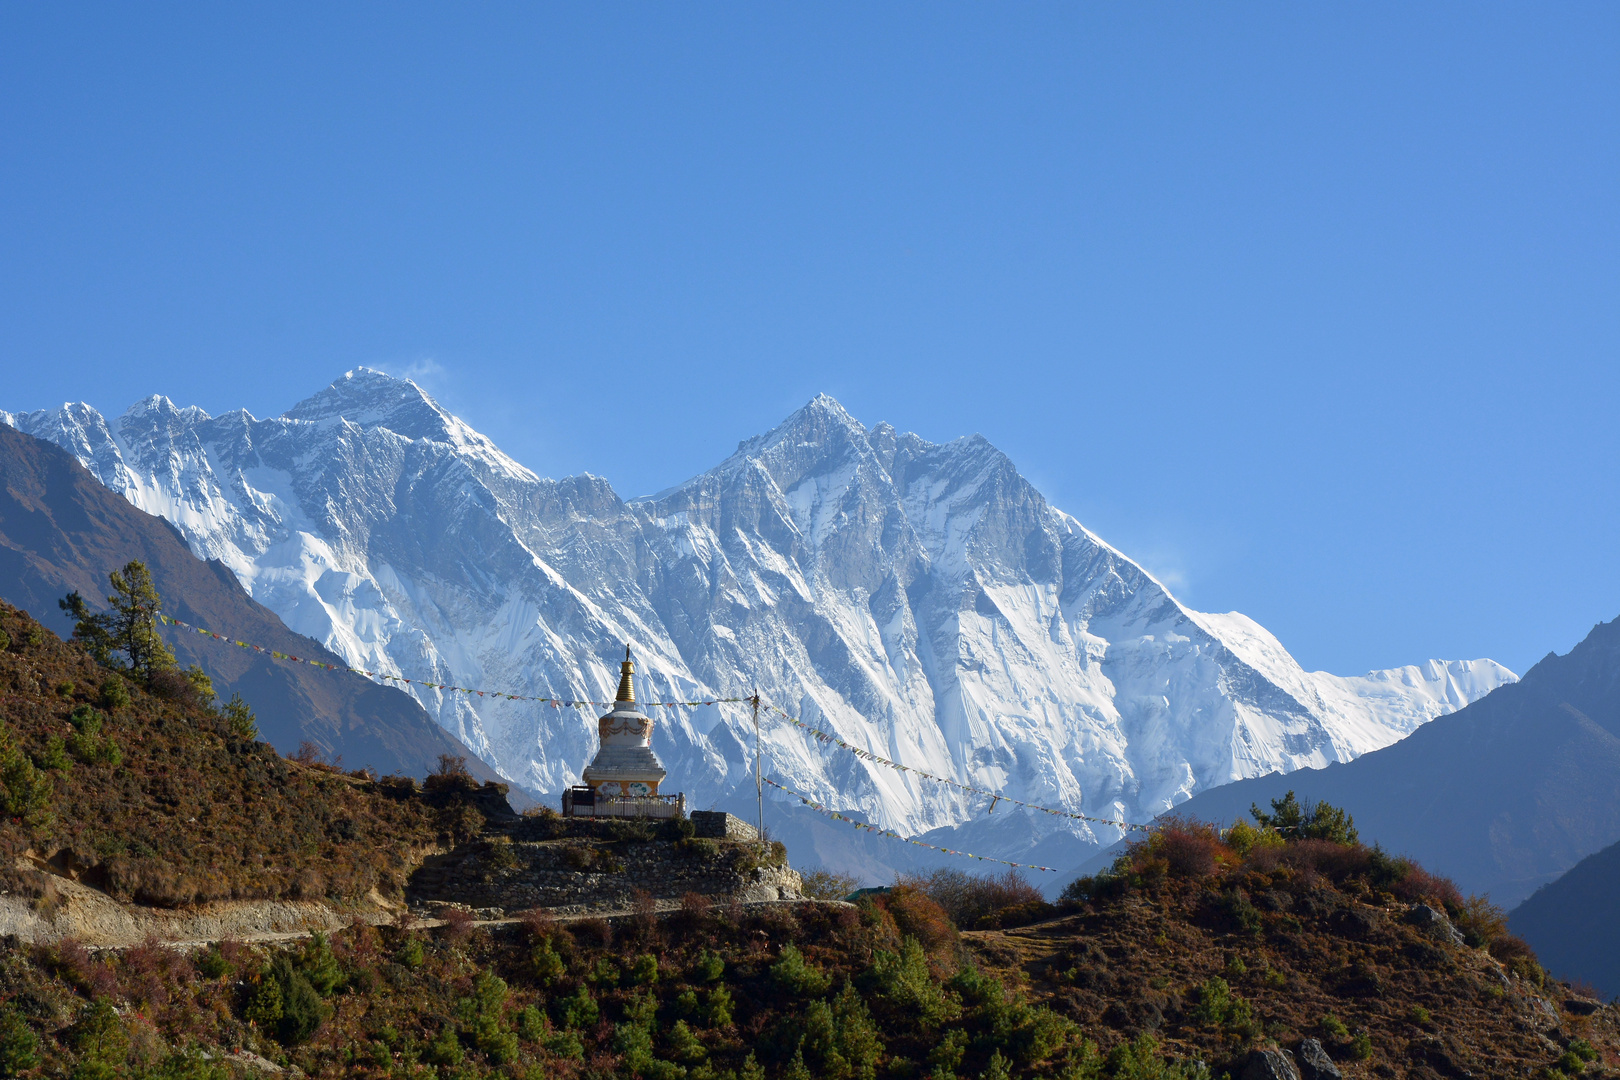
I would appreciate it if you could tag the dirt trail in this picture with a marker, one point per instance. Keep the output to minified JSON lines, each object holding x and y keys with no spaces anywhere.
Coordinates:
{"x":97,"y":920}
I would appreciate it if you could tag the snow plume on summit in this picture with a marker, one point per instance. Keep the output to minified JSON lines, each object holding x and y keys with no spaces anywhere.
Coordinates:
{"x":920,"y":600}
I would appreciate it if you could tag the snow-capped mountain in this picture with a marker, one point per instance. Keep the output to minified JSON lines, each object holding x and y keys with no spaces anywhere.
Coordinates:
{"x":921,"y":600}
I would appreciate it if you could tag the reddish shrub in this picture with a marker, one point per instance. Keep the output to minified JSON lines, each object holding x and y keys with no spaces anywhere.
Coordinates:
{"x":458,"y":923}
{"x":539,"y":922}
{"x":915,"y":915}
{"x":695,"y":905}
{"x":1332,"y":860}
{"x":1190,"y":849}
{"x":1510,"y":947}
{"x":645,"y":919}
{"x":90,"y":973}
{"x":1420,"y":884}
{"x":594,"y":932}
{"x":148,"y":968}
{"x":235,"y":953}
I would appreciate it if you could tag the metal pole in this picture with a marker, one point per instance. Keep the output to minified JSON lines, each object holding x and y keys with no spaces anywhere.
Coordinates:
{"x":759,"y":783}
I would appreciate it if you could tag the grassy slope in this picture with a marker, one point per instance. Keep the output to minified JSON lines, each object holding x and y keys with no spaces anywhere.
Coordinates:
{"x":191,"y":814}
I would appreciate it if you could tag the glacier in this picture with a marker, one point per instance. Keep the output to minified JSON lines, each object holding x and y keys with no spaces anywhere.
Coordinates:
{"x":921,"y":600}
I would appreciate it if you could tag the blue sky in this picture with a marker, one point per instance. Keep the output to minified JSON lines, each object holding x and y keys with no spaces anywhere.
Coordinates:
{"x":1311,"y":308}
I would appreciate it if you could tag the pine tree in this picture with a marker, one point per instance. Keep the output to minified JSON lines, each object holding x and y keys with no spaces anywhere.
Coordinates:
{"x":130,"y":628}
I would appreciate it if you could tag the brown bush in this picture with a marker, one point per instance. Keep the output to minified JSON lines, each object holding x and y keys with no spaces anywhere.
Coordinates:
{"x":1509,"y":947}
{"x":644,"y":920}
{"x":1480,"y":921}
{"x":1190,"y":849}
{"x":1420,"y":884}
{"x":458,"y":923}
{"x":967,"y":899}
{"x":91,"y":974}
{"x":915,"y":915}
{"x":1018,"y":915}
{"x":1332,"y":860}
{"x":598,"y":932}
{"x":539,"y":923}
{"x":696,"y":912}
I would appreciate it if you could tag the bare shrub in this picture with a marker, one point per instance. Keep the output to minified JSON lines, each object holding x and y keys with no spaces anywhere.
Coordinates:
{"x":828,"y":885}
{"x":449,"y":775}
{"x":458,"y":923}
{"x":645,"y":917}
{"x":696,"y":912}
{"x":1480,"y":921}
{"x":969,"y":899}
{"x":539,"y":922}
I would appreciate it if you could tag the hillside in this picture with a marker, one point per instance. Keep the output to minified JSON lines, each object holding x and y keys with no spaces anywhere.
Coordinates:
{"x":161,"y":801}
{"x":1503,"y":795}
{"x":1571,"y":922}
{"x":61,"y":531}
{"x":1196,"y":958}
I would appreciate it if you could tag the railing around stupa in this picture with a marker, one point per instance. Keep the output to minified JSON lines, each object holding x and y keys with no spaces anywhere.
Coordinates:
{"x":588,"y":802}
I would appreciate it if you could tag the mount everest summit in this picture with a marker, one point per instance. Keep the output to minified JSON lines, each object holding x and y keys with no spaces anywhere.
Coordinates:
{"x":920,"y":600}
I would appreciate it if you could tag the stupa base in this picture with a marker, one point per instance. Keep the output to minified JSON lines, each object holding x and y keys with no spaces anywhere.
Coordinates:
{"x":588,"y":802}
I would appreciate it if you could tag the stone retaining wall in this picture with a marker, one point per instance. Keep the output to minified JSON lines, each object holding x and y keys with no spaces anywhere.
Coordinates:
{"x":581,"y":873}
{"x":719,"y":825}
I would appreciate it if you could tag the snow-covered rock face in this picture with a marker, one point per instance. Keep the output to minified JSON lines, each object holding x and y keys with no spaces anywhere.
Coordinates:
{"x":921,"y":600}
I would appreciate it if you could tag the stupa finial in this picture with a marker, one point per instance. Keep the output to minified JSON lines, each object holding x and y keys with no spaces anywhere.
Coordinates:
{"x":627,"y":686}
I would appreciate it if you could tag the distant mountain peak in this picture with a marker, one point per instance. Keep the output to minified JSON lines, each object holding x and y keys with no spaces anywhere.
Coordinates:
{"x":371,"y":399}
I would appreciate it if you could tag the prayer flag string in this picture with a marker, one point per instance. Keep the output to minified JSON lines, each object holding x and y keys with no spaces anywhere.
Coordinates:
{"x":556,"y":703}
{"x":497,"y":694}
{"x":995,"y":796}
{"x":869,"y":827}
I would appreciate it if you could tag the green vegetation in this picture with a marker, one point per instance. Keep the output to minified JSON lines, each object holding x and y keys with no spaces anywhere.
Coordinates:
{"x":162,"y":798}
{"x":126,"y":636}
{"x":1306,"y":821}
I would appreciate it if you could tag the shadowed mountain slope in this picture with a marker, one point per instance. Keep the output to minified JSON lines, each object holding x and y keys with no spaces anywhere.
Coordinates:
{"x":1503,"y":796}
{"x":1571,"y":923}
{"x":61,"y":530}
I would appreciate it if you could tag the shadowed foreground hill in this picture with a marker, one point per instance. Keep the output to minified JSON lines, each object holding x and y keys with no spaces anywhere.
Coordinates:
{"x":61,"y":531}
{"x":1502,"y":796}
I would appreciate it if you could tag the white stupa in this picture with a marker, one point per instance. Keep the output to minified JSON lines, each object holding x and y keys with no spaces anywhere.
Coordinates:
{"x":625,"y":764}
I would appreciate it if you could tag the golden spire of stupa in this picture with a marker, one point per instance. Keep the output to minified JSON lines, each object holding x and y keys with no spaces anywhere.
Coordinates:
{"x":627,"y":686}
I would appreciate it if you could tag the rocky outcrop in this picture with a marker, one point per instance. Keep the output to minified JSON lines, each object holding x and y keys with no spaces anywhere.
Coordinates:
{"x":1314,"y":1062}
{"x":1434,"y":923}
{"x":1270,"y":1065}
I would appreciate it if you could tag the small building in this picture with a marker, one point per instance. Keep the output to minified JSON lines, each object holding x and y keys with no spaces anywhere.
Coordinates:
{"x":622,"y":780}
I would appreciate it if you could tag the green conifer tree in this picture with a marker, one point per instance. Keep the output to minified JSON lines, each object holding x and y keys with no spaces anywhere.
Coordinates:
{"x":127,"y":635}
